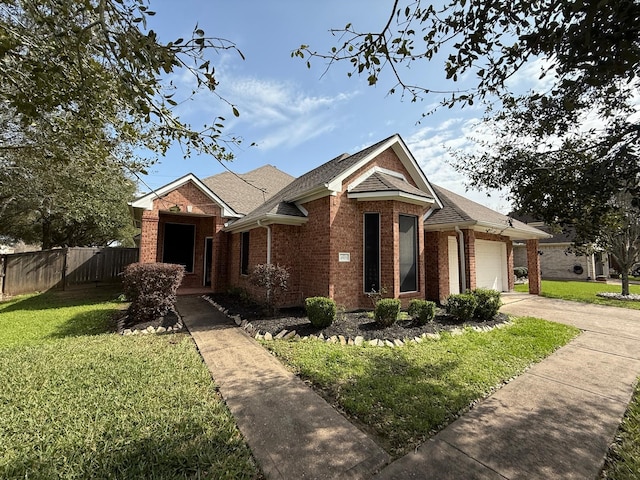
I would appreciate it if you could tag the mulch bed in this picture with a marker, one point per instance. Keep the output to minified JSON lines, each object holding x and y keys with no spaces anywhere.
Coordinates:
{"x":348,"y":324}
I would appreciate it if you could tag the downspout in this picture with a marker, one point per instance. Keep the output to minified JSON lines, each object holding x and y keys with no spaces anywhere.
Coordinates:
{"x":268,"y":240}
{"x":462,"y":263}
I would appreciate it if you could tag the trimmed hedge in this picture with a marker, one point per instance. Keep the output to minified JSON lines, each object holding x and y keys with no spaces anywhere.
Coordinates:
{"x":151,"y":288}
{"x":321,"y":311}
{"x":489,"y":303}
{"x":422,"y":311}
{"x":387,"y":311}
{"x":461,"y":306}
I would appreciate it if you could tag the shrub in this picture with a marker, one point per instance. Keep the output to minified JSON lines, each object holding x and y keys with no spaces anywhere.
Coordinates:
{"x":521,"y":272}
{"x":151,"y":288}
{"x":386,"y":311}
{"x":274,"y":279}
{"x":422,"y":311}
{"x":461,"y":306}
{"x":321,"y":311}
{"x":489,"y":303}
{"x":375,"y":296}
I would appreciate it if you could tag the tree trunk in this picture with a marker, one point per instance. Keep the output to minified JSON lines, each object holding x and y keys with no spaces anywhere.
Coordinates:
{"x":625,"y":282}
{"x":46,"y":234}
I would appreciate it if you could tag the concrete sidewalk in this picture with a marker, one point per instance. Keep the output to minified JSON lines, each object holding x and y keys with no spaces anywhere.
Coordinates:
{"x":556,"y":420}
{"x":292,"y":432}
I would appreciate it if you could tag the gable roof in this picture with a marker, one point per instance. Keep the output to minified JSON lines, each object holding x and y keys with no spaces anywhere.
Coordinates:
{"x":325,"y":180}
{"x":458,"y":211}
{"x":146,"y":201}
{"x":379,"y":185}
{"x":244,"y":192}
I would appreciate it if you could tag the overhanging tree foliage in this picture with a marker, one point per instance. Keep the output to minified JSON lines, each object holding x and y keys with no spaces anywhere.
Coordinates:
{"x":563,"y":152}
{"x":85,"y":87}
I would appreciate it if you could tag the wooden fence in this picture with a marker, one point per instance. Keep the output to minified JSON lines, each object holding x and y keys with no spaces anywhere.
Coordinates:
{"x":60,"y":268}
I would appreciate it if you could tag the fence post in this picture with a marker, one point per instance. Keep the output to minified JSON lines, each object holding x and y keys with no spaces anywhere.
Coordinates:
{"x":64,"y":269}
{"x":3,"y":269}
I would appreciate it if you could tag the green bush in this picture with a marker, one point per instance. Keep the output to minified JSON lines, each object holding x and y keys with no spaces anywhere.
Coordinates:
{"x":152,"y":289}
{"x":462,"y":306}
{"x":321,"y":311}
{"x":521,"y":272}
{"x":489,"y":303}
{"x":386,"y":312}
{"x":422,"y":311}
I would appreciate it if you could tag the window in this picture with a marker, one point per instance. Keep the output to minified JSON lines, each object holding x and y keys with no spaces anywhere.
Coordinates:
{"x":244,"y":253}
{"x":179,"y":244}
{"x":408,"y":250}
{"x":371,"y":252}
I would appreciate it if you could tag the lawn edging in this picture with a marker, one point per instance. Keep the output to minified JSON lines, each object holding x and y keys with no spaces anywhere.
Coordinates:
{"x":341,"y":339}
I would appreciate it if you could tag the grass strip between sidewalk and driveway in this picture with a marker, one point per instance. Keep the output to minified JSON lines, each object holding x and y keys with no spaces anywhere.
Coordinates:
{"x":404,"y":395}
{"x":584,"y":292}
{"x":81,"y":402}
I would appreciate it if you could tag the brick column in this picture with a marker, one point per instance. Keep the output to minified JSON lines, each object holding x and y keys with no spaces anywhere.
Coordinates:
{"x":533,"y":264}
{"x":436,"y":265}
{"x":470,"y":258}
{"x":511,"y":279}
{"x":149,"y":237}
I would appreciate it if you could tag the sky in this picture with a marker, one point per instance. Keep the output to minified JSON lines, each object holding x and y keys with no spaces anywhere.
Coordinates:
{"x":299,"y":118}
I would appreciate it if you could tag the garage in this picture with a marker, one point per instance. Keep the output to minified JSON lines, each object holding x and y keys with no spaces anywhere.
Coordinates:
{"x":491,"y":265}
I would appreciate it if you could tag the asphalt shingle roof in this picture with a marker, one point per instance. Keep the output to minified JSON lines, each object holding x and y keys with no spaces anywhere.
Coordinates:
{"x":244,"y":192}
{"x":460,"y":210}
{"x":282,"y":202}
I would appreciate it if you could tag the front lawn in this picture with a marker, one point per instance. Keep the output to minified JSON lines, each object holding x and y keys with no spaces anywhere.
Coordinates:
{"x":404,"y":395}
{"x":79,"y":401}
{"x":584,"y":292}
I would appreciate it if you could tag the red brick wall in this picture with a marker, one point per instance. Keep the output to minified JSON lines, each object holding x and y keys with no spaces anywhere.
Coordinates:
{"x":437,"y":265}
{"x":186,"y":197}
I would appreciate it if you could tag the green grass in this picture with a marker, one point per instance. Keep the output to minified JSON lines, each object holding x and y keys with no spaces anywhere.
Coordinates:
{"x":403,"y":395}
{"x":78,"y":401}
{"x":623,"y":461}
{"x":584,"y":292}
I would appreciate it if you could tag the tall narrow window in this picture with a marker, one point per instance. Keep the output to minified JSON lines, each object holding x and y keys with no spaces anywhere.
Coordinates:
{"x":244,"y":253}
{"x":371,"y":252}
{"x":408,"y":253}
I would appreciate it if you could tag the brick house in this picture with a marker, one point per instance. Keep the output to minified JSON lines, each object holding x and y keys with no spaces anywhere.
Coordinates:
{"x":357,"y":223}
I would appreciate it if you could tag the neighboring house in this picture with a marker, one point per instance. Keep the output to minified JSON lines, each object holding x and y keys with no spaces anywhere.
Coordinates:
{"x":357,"y":223}
{"x":557,"y":258}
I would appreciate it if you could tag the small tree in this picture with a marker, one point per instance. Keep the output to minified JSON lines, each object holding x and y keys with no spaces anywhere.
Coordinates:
{"x":274,"y":279}
{"x":620,"y":236}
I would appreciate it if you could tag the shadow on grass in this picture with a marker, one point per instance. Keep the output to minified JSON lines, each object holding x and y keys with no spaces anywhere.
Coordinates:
{"x":93,"y":322}
{"x":86,"y":295}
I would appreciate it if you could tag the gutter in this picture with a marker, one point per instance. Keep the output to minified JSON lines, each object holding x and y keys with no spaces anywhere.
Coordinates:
{"x":268,"y":227}
{"x":461,"y":260}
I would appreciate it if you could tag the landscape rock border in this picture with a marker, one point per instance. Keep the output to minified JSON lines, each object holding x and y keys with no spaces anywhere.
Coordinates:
{"x":632,"y":297}
{"x":176,"y":328}
{"x":340,"y":339}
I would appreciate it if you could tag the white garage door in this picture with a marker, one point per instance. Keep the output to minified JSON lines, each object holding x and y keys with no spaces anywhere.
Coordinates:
{"x":491,"y":265}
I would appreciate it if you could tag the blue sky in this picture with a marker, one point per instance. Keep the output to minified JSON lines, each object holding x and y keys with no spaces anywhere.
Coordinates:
{"x":300,"y":118}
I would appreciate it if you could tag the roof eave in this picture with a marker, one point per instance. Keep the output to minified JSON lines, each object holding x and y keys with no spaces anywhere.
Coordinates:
{"x":264,"y":221}
{"x":391,"y":195}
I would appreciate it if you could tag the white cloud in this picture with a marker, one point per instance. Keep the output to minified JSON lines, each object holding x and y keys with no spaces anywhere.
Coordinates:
{"x":287,"y":116}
